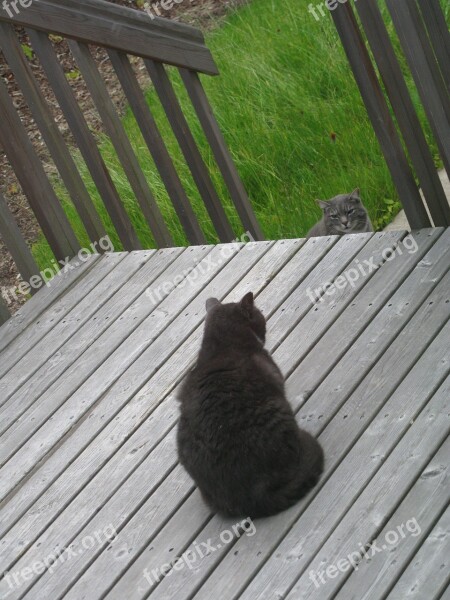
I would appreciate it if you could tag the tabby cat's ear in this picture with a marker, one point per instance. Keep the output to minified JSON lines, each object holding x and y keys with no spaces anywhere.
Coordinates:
{"x":211,"y":303}
{"x":323,"y":204}
{"x":247,"y":303}
{"x":356,"y":194}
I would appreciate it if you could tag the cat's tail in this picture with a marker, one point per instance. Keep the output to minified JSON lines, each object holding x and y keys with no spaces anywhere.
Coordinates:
{"x":277,"y":499}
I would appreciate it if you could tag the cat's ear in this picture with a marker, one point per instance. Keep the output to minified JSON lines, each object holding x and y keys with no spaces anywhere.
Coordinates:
{"x":247,"y":303}
{"x":323,"y":204}
{"x":356,"y":195}
{"x":211,"y":303}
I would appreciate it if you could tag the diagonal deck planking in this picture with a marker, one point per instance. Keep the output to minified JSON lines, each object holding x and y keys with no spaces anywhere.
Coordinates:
{"x":88,"y":417}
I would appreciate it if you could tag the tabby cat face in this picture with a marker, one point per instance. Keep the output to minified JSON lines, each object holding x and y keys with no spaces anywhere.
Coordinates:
{"x":237,"y":313}
{"x":344,"y":213}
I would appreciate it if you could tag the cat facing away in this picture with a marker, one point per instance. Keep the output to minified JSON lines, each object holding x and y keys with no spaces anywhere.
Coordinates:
{"x":237,"y":435}
{"x":341,"y":215}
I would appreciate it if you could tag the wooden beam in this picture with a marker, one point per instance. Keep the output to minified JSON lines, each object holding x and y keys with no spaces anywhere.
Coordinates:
{"x":131,"y":31}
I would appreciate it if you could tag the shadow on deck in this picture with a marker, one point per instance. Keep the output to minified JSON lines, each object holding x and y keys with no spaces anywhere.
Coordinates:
{"x":89,"y":372}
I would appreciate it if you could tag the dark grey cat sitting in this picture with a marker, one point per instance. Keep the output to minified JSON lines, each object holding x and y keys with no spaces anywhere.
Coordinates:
{"x":342,"y":214}
{"x":237,"y":435}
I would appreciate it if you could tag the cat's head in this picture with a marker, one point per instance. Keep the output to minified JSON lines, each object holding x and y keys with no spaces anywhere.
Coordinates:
{"x":344,"y":213}
{"x":234,"y":315}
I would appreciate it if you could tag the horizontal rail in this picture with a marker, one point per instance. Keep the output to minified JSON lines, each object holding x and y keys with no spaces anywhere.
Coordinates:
{"x":125,"y":29}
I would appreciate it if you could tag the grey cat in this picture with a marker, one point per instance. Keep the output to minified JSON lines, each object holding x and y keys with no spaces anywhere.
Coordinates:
{"x":342,"y":214}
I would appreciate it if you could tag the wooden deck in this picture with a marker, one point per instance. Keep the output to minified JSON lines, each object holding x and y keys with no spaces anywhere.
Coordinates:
{"x":89,"y":471}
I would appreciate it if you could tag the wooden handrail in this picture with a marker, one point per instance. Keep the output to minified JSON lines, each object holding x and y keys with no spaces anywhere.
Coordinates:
{"x":131,"y":31}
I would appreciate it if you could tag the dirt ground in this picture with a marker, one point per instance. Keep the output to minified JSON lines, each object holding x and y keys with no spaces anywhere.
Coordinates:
{"x":202,"y":13}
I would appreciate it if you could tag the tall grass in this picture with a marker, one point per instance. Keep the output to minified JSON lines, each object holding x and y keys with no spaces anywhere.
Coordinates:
{"x":292,"y":117}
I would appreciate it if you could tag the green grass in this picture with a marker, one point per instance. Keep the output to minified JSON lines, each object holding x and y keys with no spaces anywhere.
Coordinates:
{"x":292,"y":117}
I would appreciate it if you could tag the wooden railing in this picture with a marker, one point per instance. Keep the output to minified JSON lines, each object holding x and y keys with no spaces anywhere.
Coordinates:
{"x":425,"y":40}
{"x":122,"y":32}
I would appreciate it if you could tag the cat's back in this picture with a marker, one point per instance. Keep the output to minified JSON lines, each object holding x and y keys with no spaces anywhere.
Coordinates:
{"x":227,"y":399}
{"x":317,"y":230}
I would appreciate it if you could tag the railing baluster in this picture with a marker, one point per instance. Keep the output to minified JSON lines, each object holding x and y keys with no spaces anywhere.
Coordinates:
{"x":50,"y":132}
{"x":379,"y":115}
{"x":157,"y":147}
{"x":14,"y":241}
{"x":405,"y":113}
{"x":86,"y":143}
{"x":425,"y":71}
{"x":439,"y":35}
{"x":221,"y":152}
{"x":34,"y":182}
{"x":4,"y":312}
{"x":116,"y":132}
{"x":189,"y":148}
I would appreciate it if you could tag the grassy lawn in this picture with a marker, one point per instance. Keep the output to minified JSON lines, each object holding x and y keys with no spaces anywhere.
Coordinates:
{"x":292,"y":116}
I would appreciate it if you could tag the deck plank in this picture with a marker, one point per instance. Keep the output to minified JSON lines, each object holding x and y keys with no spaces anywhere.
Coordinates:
{"x":270,"y":264}
{"x":44,"y":300}
{"x":26,"y":342}
{"x":416,"y":515}
{"x":351,"y":370}
{"x":94,"y":447}
{"x":257,"y":549}
{"x":126,"y":308}
{"x":380,"y":497}
{"x":427,"y":575}
{"x":50,"y":336}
